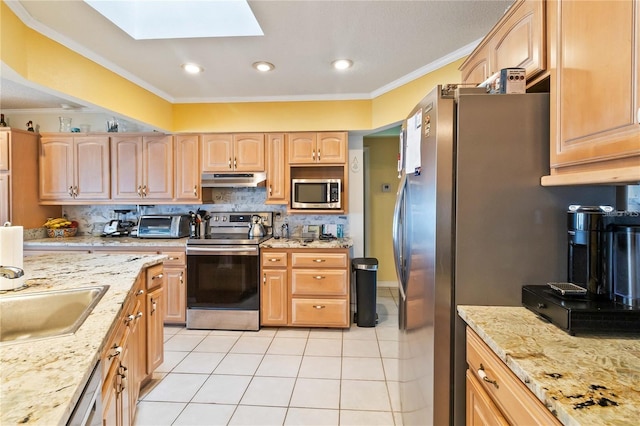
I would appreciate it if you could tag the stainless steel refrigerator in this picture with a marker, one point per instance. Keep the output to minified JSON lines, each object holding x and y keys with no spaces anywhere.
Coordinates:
{"x":472,"y":225}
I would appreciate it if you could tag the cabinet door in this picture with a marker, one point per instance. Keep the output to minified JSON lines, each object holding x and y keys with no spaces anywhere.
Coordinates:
{"x":331,"y":147}
{"x":5,"y":198}
{"x":301,"y":148}
{"x":4,"y":151}
{"x":92,"y":171}
{"x":217,"y":153}
{"x":155,"y":329}
{"x":157,"y":168}
{"x":126,"y":163}
{"x":248,"y":155}
{"x":595,"y":81}
{"x":276,"y":170}
{"x":56,"y":168}
{"x":273,"y":297}
{"x":476,"y":68}
{"x":520,"y":39}
{"x":175,"y":298}
{"x":187,"y":151}
{"x":481,"y":411}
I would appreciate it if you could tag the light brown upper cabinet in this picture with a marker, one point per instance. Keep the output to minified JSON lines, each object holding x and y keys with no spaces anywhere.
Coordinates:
{"x":224,"y":152}
{"x":595,"y":96}
{"x":277,"y":170}
{"x":317,"y":148}
{"x":517,"y":40}
{"x":142,"y":168}
{"x":187,"y":155}
{"x":74,"y":169}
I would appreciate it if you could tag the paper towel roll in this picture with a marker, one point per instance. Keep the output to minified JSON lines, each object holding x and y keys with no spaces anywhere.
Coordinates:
{"x":11,"y":254}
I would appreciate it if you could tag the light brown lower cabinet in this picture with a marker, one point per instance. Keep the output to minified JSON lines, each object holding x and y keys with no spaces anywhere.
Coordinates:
{"x":134,"y":349}
{"x":495,"y":396}
{"x":175,"y":297}
{"x":305,"y":288}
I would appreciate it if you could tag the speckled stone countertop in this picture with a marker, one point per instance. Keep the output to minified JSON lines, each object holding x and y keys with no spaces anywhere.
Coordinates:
{"x":88,"y":242}
{"x":584,"y":380}
{"x":315,"y":244}
{"x":41,"y":380}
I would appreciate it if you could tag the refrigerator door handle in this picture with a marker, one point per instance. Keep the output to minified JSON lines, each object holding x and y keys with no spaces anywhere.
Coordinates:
{"x":397,"y":253}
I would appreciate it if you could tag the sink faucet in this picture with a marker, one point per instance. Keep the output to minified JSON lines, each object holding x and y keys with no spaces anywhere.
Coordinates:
{"x":10,"y":272}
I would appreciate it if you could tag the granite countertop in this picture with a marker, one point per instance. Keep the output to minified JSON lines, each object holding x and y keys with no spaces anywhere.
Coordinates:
{"x":41,"y":380}
{"x":89,"y":241}
{"x":584,"y":380}
{"x":315,"y":244}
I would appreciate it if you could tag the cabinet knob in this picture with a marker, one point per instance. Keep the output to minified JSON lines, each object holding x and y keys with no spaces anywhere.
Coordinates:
{"x":235,"y":163}
{"x":319,"y":277}
{"x":318,"y":155}
{"x":230,"y":162}
{"x":313,"y":154}
{"x":139,"y":292}
{"x":195,"y":190}
{"x":274,"y":260}
{"x":319,"y":306}
{"x":157,"y":277}
{"x":319,"y":260}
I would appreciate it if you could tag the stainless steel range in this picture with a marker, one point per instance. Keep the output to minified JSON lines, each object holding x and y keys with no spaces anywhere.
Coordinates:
{"x":223,"y":269}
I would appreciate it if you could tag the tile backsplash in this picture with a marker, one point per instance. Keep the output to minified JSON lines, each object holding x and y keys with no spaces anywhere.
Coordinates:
{"x":92,"y":218}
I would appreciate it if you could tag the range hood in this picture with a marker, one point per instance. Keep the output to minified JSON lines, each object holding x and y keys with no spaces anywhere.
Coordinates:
{"x":233,"y":180}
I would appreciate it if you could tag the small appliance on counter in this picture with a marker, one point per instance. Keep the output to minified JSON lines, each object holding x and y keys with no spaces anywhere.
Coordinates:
{"x":603,"y":289}
{"x":119,"y":227}
{"x":164,"y":226}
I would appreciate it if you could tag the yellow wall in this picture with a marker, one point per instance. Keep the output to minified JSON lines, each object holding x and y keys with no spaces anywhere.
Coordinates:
{"x":47,"y":63}
{"x":383,"y":154}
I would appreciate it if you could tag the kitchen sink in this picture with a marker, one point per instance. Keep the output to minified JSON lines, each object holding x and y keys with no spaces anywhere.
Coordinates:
{"x":46,"y":314}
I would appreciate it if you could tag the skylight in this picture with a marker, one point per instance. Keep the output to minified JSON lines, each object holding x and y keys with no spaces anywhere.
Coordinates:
{"x":164,"y":19}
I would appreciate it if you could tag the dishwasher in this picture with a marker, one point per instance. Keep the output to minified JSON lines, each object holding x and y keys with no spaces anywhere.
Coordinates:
{"x":88,"y":410}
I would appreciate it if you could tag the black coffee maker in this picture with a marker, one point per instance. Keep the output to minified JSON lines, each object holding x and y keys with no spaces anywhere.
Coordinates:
{"x":602,"y":294}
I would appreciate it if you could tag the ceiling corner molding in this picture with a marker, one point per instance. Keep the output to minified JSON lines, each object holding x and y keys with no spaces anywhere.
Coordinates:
{"x":420,"y":72}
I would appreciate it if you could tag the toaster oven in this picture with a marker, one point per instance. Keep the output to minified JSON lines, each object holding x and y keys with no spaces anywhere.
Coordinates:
{"x":163,"y":226}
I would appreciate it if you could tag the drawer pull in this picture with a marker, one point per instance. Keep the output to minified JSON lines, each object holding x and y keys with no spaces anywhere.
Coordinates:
{"x":117,"y":350}
{"x":173,"y":258}
{"x":319,"y":277}
{"x":157,"y":277}
{"x":484,"y":377}
{"x":274,"y":260}
{"x":319,"y":260}
{"x":139,"y":292}
{"x":319,"y":306}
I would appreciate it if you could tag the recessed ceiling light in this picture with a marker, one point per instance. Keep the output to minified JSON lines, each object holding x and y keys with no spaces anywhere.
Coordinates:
{"x":342,"y":64}
{"x":263,"y":66}
{"x":192,"y":68}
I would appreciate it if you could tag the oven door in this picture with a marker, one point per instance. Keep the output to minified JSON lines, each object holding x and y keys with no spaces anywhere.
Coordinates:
{"x":223,"y":277}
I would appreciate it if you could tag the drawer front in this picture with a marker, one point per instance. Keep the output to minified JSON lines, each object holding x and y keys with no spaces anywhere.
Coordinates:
{"x":175,"y":258}
{"x":274,"y":260}
{"x":320,"y":312}
{"x":319,"y":282}
{"x":518,"y":404}
{"x":155,"y":276}
{"x":319,"y":260}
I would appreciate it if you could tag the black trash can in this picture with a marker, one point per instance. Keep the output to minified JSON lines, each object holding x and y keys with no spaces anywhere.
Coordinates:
{"x":365,"y":269}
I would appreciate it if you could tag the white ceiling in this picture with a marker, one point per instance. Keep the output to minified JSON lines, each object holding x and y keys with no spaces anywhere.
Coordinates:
{"x":390,"y":43}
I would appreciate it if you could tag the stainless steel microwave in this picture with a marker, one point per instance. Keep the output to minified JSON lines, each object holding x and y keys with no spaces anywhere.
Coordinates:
{"x":316,"y":194}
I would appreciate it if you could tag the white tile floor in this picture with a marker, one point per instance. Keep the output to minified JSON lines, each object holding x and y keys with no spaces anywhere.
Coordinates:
{"x":278,"y":376}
